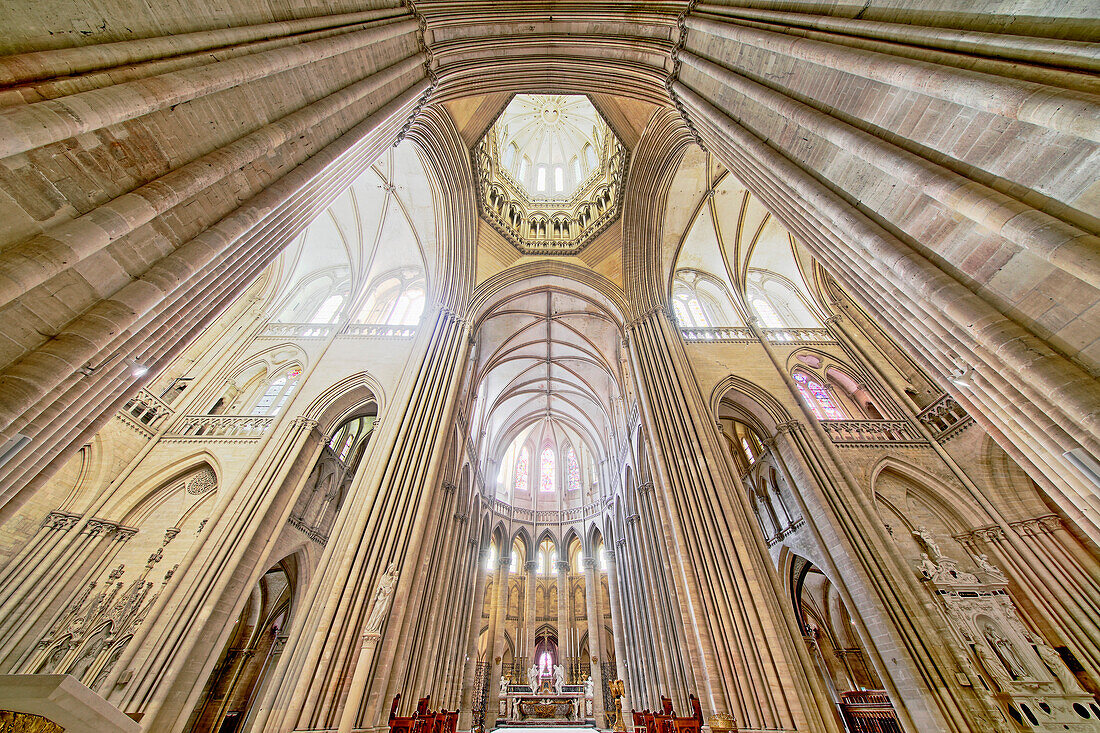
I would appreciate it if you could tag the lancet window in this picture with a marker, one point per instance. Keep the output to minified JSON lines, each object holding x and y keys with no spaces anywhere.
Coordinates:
{"x":397,"y":300}
{"x":572,"y":471}
{"x":277,"y":393}
{"x":519,"y":482}
{"x":546,"y":469}
{"x":818,"y":398}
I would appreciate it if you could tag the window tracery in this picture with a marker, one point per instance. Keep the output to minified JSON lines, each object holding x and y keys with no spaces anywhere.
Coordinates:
{"x":572,"y":471}
{"x":818,"y":398}
{"x":277,"y":393}
{"x":519,"y":483}
{"x":546,"y":470}
{"x":397,"y":299}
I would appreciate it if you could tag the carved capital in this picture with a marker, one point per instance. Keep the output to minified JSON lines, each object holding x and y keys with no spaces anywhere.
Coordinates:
{"x":789,"y":426}
{"x":449,"y":487}
{"x":62,"y":521}
{"x":633,"y":519}
{"x":562,"y":566}
{"x":1045,"y":524}
{"x":530,"y":566}
{"x":96,"y":527}
{"x":645,"y":488}
{"x":589,"y":563}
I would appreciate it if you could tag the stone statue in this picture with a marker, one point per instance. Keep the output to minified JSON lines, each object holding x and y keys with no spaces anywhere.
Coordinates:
{"x":1056,"y":666}
{"x":1006,"y":651}
{"x":559,"y":678}
{"x":927,"y":567}
{"x":589,"y":684}
{"x":929,"y":541}
{"x":982,"y":561}
{"x":503,"y":685}
{"x":381,"y":604}
{"x":533,"y":677}
{"x":993,"y":668}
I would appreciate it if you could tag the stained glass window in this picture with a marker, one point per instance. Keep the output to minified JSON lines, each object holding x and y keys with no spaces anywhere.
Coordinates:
{"x":520,"y":483}
{"x":818,"y":398}
{"x":327,"y":312}
{"x":697,"y":314}
{"x":748,"y":449}
{"x":767,"y":313}
{"x":542,"y":563}
{"x":546,"y":470}
{"x":572,"y":471}
{"x":681,"y":313}
{"x":277,"y":393}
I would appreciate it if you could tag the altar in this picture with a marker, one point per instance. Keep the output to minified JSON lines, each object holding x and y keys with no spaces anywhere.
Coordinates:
{"x":521,"y":706}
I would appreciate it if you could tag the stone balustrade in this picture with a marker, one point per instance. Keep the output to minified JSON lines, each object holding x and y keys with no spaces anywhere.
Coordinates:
{"x":744,"y":335}
{"x":871,"y":432}
{"x":378,"y":330}
{"x":542,"y":516}
{"x":147,"y":409}
{"x":221,"y":426}
{"x":297,"y":331}
{"x":945,"y":418}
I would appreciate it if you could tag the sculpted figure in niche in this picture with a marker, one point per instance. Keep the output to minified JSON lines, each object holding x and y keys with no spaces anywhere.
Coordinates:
{"x":992,"y":667}
{"x":1006,"y":652}
{"x":381,"y":604}
{"x":533,"y":677}
{"x":1056,"y":666}
{"x":503,"y":685}
{"x":983,"y":563}
{"x":559,"y":678}
{"x":928,"y":539}
{"x":589,"y":684}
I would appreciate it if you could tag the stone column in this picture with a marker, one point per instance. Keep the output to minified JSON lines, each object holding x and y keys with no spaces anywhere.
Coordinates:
{"x":481,"y":573}
{"x":1027,"y":391}
{"x":617,"y":621}
{"x":595,"y":637}
{"x":386,"y":517}
{"x":216,"y":251}
{"x":745,"y":646}
{"x":530,"y":620}
{"x":565,"y":623}
{"x":494,"y":652}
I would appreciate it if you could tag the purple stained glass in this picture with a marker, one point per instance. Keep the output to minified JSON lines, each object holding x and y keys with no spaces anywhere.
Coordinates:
{"x":572,"y":471}
{"x":520,"y":483}
{"x":546,"y":470}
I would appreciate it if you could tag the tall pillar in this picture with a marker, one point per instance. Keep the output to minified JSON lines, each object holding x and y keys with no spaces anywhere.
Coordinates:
{"x":595,"y":638}
{"x":618,"y":631}
{"x":385,"y":519}
{"x":744,"y":643}
{"x":773,"y":125}
{"x":530,"y":620}
{"x":565,"y":625}
{"x":260,"y":178}
{"x":494,"y":652}
{"x":466,"y":702}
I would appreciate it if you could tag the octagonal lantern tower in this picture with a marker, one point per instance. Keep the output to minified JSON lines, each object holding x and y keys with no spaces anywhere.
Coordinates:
{"x":550,"y":173}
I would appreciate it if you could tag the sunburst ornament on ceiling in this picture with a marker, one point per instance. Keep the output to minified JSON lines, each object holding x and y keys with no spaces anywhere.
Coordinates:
{"x":550,"y":173}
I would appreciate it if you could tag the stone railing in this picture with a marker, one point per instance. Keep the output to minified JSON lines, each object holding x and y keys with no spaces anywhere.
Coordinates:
{"x":297,"y":331}
{"x":543,"y":516}
{"x":313,"y":533}
{"x":744,"y":335}
{"x":724,"y":334}
{"x":786,"y":532}
{"x":378,"y":330}
{"x":945,"y":418}
{"x":871,"y":432}
{"x":221,"y":426}
{"x":798,"y":335}
{"x":147,"y":410}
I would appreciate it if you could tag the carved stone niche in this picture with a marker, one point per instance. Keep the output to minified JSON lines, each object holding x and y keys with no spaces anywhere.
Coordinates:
{"x":1030,"y":683}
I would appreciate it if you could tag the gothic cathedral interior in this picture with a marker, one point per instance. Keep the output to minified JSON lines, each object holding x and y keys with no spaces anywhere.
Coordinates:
{"x":424,"y":366}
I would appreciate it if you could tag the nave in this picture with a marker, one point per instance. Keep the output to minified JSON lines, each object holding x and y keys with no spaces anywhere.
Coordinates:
{"x":451,"y":367}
